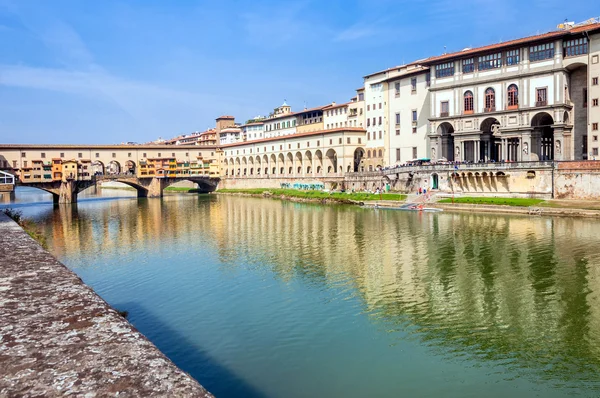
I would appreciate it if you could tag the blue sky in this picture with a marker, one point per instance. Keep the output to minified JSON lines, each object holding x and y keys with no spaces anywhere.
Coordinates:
{"x":77,"y":71}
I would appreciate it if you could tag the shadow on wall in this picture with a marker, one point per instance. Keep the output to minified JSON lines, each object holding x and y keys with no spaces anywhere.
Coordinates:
{"x":218,"y":380}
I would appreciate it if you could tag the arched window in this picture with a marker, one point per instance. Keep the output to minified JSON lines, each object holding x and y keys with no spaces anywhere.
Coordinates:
{"x":469,"y":102}
{"x":380,"y":153}
{"x":513,"y":96}
{"x":490,"y":100}
{"x":368,"y":154}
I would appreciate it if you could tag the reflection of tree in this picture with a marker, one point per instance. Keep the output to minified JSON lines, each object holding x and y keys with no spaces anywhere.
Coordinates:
{"x":514,"y":290}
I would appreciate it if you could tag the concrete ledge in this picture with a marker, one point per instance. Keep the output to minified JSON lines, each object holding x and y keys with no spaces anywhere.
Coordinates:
{"x":58,"y":337}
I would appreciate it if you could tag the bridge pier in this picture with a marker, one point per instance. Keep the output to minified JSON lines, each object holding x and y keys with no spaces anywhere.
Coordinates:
{"x":155,"y":189}
{"x":67,"y":193}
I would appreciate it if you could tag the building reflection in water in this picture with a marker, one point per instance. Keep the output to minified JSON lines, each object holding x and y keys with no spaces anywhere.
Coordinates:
{"x":522,"y":291}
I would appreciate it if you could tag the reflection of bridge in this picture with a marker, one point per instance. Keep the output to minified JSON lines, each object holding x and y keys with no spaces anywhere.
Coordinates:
{"x":67,"y":191}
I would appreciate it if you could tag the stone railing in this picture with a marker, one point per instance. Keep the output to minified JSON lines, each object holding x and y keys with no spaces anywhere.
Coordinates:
{"x":455,"y":166}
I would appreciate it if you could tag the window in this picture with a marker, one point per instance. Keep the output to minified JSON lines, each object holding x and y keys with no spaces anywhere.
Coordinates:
{"x":541,"y":52}
{"x":43,"y":155}
{"x":468,"y":102}
{"x":380,"y":153}
{"x":397,"y":154}
{"x":361,"y":96}
{"x":490,"y":100}
{"x":594,"y":126}
{"x":445,"y":109}
{"x":23,"y":154}
{"x":340,"y":140}
{"x":397,"y":88}
{"x":414,"y":152}
{"x":594,"y":81}
{"x":97,"y":155}
{"x":80,"y":155}
{"x":541,"y":97}
{"x":368,"y":122}
{"x":368,"y":136}
{"x":575,"y":47}
{"x":413,"y":84}
{"x":595,"y":151}
{"x":348,"y":140}
{"x":380,"y":120}
{"x":359,"y":140}
{"x":490,"y":61}
{"x":397,"y":131}
{"x":368,"y":107}
{"x":143,"y":156}
{"x":397,"y":119}
{"x":594,"y":138}
{"x":428,"y":79}
{"x":380,"y":105}
{"x":595,"y":102}
{"x":414,"y":116}
{"x":414,"y":130}
{"x":318,"y":143}
{"x":380,"y":136}
{"x":444,"y":70}
{"x":513,"y":96}
{"x":512,"y":57}
{"x":374,"y":121}
{"x":468,"y":66}
{"x":62,"y":155}
{"x":114,"y":155}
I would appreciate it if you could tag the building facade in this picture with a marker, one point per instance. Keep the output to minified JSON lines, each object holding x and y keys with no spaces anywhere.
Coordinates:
{"x":521,"y":100}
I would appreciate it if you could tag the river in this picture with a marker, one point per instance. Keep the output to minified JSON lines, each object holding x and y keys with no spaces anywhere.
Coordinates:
{"x":267,"y":298}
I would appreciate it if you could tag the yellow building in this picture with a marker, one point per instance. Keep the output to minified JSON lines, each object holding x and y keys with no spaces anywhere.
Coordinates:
{"x":70,"y":170}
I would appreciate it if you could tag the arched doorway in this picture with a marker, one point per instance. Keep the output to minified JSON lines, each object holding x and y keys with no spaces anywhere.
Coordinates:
{"x":359,"y":154}
{"x":542,"y":138}
{"x":446,"y":132}
{"x":490,"y":146}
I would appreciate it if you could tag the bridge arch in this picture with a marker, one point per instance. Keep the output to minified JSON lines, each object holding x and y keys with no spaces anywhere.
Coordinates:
{"x":98,"y":168}
{"x":114,"y":167}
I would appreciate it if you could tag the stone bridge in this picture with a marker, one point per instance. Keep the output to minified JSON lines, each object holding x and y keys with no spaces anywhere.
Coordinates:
{"x":65,"y":192}
{"x":153,"y":187}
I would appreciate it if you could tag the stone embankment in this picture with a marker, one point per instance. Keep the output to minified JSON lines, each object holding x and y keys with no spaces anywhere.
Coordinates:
{"x":59,"y":338}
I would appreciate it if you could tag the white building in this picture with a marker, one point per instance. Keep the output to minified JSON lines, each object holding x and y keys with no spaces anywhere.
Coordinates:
{"x":281,"y":122}
{"x":521,"y":100}
{"x":253,"y":131}
{"x":408,"y":113}
{"x":230,"y":135}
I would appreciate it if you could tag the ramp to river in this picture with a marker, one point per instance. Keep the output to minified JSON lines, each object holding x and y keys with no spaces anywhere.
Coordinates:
{"x":58,"y":337}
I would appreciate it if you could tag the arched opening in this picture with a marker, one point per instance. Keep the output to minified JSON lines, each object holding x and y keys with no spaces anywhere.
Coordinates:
{"x":446,"y":132}
{"x":542,"y":138}
{"x":97,"y":168}
{"x":114,"y":167}
{"x":290,"y":170}
{"x":281,"y":170}
{"x":359,"y":153}
{"x":130,"y":167}
{"x":319,"y":161}
{"x":308,"y":169}
{"x":434,"y":181}
{"x":490,"y":147}
{"x":331,"y":157}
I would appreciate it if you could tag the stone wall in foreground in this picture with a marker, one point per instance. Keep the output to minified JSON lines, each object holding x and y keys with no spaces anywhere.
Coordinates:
{"x":58,"y":337}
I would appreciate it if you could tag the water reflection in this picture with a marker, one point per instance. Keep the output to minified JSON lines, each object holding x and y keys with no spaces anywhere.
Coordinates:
{"x":517,"y":293}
